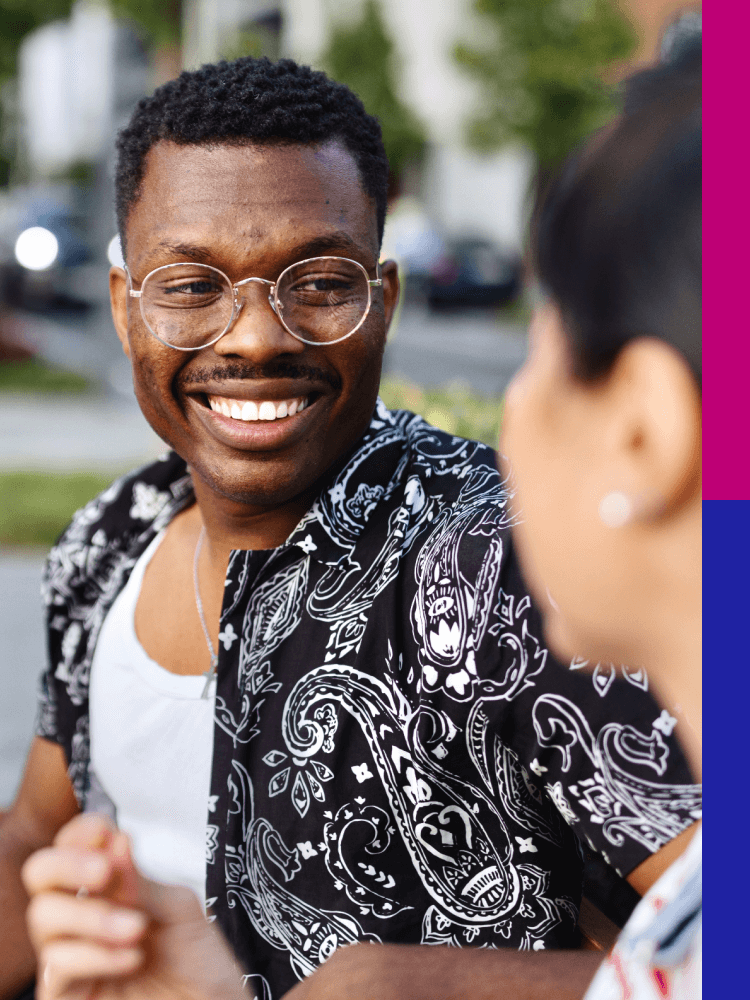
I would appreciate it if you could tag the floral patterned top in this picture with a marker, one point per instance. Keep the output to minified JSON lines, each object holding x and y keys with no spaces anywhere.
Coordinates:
{"x":397,"y":757}
{"x":660,"y":953}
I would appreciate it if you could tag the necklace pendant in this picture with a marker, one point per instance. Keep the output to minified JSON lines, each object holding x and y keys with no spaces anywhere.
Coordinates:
{"x":210,"y":675}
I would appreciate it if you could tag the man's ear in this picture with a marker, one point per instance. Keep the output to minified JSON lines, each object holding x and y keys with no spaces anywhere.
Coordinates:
{"x":391,"y":289}
{"x":118,"y":297}
{"x":659,"y":427}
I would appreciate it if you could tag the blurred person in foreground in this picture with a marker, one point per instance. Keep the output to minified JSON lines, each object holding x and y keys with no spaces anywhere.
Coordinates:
{"x":394,"y":763}
{"x":602,"y":430}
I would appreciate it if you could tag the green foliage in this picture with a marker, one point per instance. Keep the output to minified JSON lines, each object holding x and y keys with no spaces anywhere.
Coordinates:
{"x":33,"y":375}
{"x":455,"y":408}
{"x":247,"y":42}
{"x":362,"y":56}
{"x":35,"y":507}
{"x":542,"y":72}
{"x":17,"y":19}
{"x":160,"y":21}
{"x":80,"y":172}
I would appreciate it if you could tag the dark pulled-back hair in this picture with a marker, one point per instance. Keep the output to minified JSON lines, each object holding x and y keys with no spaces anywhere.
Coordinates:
{"x":251,"y":101}
{"x":616,"y":237}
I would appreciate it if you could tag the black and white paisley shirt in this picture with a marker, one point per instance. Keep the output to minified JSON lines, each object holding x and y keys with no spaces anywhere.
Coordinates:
{"x":397,"y":757}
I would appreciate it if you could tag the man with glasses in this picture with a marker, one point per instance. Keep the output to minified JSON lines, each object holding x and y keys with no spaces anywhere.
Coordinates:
{"x":294,"y":660}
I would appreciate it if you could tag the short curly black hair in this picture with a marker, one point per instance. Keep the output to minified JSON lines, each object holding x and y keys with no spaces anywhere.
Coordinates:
{"x":251,"y":100}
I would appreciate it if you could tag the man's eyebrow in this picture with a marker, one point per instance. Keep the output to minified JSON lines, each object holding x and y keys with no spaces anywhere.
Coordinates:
{"x":337,"y":242}
{"x":186,"y":251}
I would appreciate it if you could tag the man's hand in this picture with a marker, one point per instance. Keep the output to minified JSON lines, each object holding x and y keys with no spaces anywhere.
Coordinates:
{"x":44,"y":804}
{"x":422,"y":972}
{"x":100,"y":929}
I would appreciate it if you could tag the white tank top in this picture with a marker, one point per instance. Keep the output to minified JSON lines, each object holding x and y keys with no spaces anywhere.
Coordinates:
{"x":152,"y":746}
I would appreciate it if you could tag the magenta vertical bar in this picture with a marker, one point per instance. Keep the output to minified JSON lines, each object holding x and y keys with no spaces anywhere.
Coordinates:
{"x":726,"y":264}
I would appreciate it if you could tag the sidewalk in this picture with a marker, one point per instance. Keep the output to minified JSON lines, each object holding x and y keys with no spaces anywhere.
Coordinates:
{"x":81,"y":432}
{"x":21,"y":662}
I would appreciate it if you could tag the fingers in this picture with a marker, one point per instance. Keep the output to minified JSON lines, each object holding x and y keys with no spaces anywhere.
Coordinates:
{"x":87,"y":831}
{"x":56,"y":914}
{"x":68,"y":869}
{"x":68,"y":967}
{"x":79,"y":936}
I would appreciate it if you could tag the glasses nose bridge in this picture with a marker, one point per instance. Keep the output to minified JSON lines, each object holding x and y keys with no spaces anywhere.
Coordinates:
{"x":238,"y":291}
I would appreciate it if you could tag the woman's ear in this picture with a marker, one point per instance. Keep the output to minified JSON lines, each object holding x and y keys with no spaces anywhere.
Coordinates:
{"x":658,"y":429}
{"x":118,"y":297}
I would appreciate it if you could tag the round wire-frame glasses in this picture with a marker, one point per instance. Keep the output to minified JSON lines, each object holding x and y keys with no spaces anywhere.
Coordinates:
{"x":273,"y":298}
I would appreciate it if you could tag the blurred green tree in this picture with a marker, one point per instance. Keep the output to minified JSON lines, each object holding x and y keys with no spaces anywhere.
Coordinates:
{"x":160,"y":21}
{"x":362,"y":56}
{"x":542,"y":72}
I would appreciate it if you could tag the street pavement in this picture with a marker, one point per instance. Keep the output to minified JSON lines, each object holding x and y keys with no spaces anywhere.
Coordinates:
{"x":58,"y":433}
{"x":108,"y":432}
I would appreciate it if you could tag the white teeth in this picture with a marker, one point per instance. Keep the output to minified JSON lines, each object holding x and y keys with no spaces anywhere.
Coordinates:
{"x":251,"y":411}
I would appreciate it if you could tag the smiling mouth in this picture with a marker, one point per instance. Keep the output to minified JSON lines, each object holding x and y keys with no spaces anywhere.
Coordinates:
{"x":253,"y":410}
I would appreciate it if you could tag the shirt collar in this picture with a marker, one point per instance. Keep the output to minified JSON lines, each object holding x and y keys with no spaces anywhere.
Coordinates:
{"x":352,"y":489}
{"x":355,"y":485}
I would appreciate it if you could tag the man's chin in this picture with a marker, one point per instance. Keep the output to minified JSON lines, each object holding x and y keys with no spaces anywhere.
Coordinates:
{"x":257,"y":485}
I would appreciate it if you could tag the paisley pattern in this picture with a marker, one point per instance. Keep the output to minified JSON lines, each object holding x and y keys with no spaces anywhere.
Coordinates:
{"x":397,"y":756}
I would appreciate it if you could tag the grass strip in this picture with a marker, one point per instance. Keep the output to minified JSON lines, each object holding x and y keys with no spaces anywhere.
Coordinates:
{"x":33,"y":375}
{"x":35,"y":507}
{"x":454,"y":408}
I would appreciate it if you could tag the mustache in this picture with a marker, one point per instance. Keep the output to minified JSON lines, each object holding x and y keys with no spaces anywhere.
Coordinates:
{"x":273,"y":370}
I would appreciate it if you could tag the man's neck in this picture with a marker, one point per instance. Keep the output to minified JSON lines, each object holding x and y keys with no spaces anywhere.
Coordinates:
{"x":230,"y":524}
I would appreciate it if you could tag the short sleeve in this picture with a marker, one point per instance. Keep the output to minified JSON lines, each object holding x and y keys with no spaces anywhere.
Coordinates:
{"x":595,"y":741}
{"x":46,"y":714}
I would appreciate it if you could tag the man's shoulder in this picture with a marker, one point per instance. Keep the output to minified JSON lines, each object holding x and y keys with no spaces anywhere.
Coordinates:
{"x":447,"y":464}
{"x":135,"y":502}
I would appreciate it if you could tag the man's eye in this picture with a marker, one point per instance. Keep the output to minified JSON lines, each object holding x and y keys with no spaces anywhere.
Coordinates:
{"x":322,"y":285}
{"x":193,"y":288}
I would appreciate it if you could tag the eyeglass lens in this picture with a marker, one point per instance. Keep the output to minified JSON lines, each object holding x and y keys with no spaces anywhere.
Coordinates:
{"x":319,"y":300}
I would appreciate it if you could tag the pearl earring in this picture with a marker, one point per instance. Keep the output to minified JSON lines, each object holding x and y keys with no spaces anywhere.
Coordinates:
{"x":615,"y":509}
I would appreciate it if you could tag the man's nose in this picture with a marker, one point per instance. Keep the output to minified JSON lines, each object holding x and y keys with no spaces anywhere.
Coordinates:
{"x":257,"y":332}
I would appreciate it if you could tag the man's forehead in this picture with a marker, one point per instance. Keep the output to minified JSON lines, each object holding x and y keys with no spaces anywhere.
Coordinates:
{"x":253,"y":189}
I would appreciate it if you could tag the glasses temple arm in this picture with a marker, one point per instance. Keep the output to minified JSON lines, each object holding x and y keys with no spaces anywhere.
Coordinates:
{"x":375,"y":282}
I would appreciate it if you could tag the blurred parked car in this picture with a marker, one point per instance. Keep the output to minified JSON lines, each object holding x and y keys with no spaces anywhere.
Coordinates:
{"x":474,"y":272}
{"x":42,"y":249}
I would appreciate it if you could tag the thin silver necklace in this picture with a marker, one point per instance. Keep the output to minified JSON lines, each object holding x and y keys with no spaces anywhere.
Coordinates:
{"x":211,"y":672}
